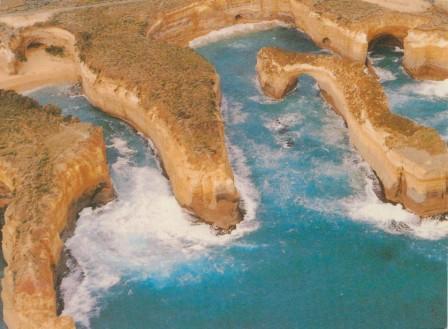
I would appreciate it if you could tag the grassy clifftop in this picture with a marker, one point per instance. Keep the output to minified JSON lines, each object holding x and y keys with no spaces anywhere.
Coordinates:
{"x":176,"y":82}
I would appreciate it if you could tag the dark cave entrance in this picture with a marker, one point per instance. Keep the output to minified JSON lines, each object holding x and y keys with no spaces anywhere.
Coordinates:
{"x":385,"y":41}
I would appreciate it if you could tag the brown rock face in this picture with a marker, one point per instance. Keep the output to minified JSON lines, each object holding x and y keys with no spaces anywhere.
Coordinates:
{"x":186,"y":128}
{"x":183,"y":24}
{"x":349,"y":27}
{"x":410,"y":160}
{"x":202,"y":183}
{"x":425,"y":57}
{"x":52,"y":167}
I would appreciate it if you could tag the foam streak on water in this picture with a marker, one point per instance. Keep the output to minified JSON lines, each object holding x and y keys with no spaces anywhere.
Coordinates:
{"x":326,"y":250}
{"x":366,"y":206}
{"x":234,"y":31}
{"x":432,"y":89}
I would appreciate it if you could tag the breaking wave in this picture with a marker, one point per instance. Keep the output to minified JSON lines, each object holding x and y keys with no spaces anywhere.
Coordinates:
{"x":234,"y":31}
{"x":432,"y":89}
{"x":142,"y":235}
{"x":384,"y":75}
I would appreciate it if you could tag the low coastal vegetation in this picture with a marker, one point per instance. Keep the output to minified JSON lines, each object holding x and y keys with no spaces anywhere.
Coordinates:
{"x":51,"y":166}
{"x":174,"y":82}
{"x":24,"y":125}
{"x":55,"y":51}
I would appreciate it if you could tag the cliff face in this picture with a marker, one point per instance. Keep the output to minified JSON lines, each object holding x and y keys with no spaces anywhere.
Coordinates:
{"x":132,"y":64}
{"x":184,"y":24}
{"x":53,"y":167}
{"x":426,"y":54}
{"x":170,"y":94}
{"x":174,"y":94}
{"x":410,"y":160}
{"x":348,"y":27}
{"x":203,"y":185}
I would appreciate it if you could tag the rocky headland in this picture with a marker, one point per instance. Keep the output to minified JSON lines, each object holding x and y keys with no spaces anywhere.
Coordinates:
{"x":410,"y":160}
{"x":50,"y":167}
{"x":350,"y":27}
{"x":132,"y":61}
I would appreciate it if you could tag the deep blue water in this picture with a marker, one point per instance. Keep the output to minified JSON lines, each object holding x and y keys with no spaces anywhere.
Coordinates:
{"x":322,"y":250}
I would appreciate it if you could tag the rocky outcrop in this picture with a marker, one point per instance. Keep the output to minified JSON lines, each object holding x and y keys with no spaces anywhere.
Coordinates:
{"x":202,"y":181}
{"x":184,"y":24}
{"x":52,"y":167}
{"x":195,"y":161}
{"x":203,"y":185}
{"x":131,"y":65}
{"x":426,"y":54}
{"x":349,"y":27}
{"x":411,"y":161}
{"x":344,"y":26}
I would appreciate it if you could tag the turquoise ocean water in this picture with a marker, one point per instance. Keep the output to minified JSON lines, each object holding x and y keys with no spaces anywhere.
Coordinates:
{"x":318,"y":249}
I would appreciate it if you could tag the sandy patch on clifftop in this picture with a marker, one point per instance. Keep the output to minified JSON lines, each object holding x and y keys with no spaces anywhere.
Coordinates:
{"x":408,"y":6}
{"x":19,"y":21}
{"x":40,"y":69}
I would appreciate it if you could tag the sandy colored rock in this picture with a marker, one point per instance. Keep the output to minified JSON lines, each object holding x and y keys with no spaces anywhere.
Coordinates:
{"x":348,"y":28}
{"x":52,"y":167}
{"x":133,"y":64}
{"x":410,"y":160}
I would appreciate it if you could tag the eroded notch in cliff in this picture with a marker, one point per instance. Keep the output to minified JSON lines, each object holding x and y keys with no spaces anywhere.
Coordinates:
{"x":385,"y":41}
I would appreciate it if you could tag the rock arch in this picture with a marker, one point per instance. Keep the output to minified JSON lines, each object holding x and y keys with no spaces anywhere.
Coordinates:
{"x":410,"y":160}
{"x":388,"y":38}
{"x":32,"y":66}
{"x":356,"y":24}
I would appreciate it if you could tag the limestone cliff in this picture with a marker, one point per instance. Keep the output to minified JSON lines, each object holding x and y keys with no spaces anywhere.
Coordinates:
{"x":132,"y":64}
{"x":426,"y":55}
{"x":52,"y":166}
{"x":410,"y":160}
{"x":349,"y":27}
{"x":183,"y":24}
{"x":168,"y":93}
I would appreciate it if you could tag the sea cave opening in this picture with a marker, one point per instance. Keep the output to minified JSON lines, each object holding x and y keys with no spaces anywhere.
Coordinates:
{"x":385,"y":41}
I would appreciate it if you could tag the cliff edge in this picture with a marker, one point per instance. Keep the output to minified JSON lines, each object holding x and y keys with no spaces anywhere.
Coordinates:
{"x":410,"y":160}
{"x":51,"y":167}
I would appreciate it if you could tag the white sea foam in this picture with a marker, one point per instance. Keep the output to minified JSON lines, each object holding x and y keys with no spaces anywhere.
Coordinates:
{"x":260,"y":97}
{"x":121,"y":146}
{"x":436,"y":89}
{"x":384,"y":75}
{"x":283,"y":122}
{"x":234,"y":31}
{"x":366,"y":206}
{"x":234,"y":109}
{"x":144,"y":234}
{"x":376,"y":59}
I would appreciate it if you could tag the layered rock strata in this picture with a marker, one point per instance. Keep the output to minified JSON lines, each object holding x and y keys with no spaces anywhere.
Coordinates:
{"x":132,"y":64}
{"x":426,"y":53}
{"x":410,"y":160}
{"x":170,"y":94}
{"x":51,"y":167}
{"x":345,"y":26}
{"x":349,"y":27}
{"x":183,"y":24}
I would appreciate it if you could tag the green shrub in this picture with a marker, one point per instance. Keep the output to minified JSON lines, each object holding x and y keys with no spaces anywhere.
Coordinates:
{"x":55,"y":51}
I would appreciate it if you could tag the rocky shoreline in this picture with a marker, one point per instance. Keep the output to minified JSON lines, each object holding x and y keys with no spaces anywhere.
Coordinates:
{"x":411,"y":161}
{"x":132,"y":63}
{"x":53,"y":166}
